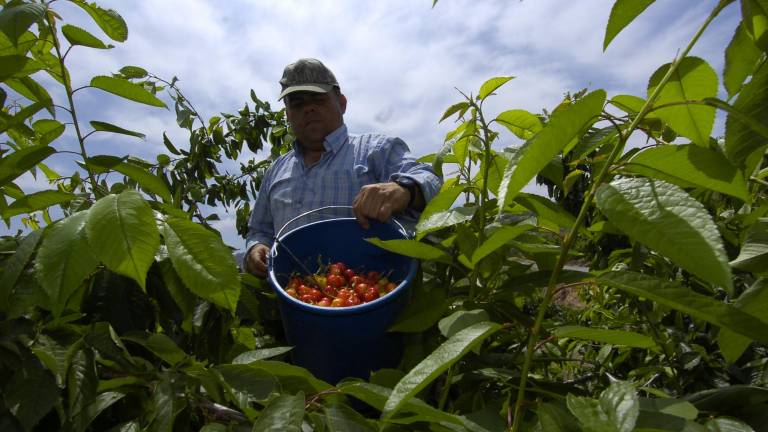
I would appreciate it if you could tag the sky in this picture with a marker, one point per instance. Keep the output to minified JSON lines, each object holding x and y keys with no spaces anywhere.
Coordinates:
{"x":400,"y":63}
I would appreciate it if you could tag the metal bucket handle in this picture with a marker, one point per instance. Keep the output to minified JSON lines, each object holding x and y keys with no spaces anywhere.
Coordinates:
{"x":280,"y":231}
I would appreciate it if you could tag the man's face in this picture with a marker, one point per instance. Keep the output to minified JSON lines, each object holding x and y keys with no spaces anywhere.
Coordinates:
{"x":314,"y":115}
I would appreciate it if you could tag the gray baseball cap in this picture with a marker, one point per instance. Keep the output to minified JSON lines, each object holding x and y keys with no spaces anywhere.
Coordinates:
{"x":307,"y":74}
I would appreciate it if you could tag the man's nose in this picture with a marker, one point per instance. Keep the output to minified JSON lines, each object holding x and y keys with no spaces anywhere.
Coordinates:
{"x":309,"y":107}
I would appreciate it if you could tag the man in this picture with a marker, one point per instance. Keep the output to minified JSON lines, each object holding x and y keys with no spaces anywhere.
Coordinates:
{"x":375,"y":174}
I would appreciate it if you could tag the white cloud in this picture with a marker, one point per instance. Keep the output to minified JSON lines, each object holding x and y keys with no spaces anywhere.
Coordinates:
{"x":399,"y":61}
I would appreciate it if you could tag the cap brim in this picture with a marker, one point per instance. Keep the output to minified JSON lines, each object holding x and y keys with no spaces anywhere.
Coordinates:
{"x":314,"y":88}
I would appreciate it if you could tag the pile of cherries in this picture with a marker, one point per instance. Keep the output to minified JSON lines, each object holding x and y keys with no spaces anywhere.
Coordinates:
{"x":339,"y":286}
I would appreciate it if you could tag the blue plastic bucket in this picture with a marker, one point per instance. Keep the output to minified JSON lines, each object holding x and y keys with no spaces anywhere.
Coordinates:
{"x":334,"y":343}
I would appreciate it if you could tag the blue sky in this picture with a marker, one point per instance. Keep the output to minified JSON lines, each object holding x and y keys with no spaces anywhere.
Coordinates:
{"x":399,"y":62}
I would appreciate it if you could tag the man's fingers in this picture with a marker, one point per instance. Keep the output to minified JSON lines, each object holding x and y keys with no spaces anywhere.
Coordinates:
{"x":375,"y":202}
{"x":256,"y":261}
{"x":359,"y":211}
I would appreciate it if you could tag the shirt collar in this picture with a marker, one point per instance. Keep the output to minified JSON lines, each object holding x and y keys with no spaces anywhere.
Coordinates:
{"x":333,"y":141}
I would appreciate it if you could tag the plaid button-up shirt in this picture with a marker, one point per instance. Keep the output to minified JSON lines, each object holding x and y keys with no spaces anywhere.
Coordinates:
{"x":290,"y":187}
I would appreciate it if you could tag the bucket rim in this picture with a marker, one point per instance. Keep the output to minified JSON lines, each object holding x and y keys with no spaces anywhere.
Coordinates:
{"x":413,"y":266}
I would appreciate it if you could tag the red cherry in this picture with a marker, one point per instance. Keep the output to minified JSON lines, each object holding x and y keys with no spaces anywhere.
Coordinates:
{"x":336,"y":281}
{"x":361,"y":288}
{"x":316,"y":295}
{"x":353,"y":300}
{"x":325,"y":302}
{"x":371,"y":294}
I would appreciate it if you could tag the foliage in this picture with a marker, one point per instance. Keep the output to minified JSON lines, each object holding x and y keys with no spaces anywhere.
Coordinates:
{"x":632,"y":300}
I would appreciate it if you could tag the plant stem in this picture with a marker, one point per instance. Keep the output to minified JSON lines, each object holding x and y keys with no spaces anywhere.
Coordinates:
{"x":571,"y":235}
{"x":72,"y":111}
{"x":446,"y":389}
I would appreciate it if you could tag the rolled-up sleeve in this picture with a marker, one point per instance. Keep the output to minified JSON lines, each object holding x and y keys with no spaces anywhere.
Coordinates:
{"x":260,"y":226}
{"x":398,"y":162}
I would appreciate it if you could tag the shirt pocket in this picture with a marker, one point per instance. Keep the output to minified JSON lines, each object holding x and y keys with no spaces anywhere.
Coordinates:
{"x":339,"y":187}
{"x":283,"y":193}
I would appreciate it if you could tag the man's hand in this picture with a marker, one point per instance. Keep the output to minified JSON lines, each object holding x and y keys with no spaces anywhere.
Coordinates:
{"x":379,"y":201}
{"x":256,"y":260}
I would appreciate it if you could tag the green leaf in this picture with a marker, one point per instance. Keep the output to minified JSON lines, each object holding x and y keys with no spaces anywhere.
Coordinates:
{"x":17,"y":66}
{"x":732,"y":111}
{"x":14,"y":266}
{"x":15,"y":20}
{"x":613,"y":337}
{"x":133,"y":72}
{"x":693,"y":80}
{"x":412,"y":248}
{"x":725,"y":424}
{"x":17,"y":120}
{"x":37,"y":201}
{"x":160,"y":345}
{"x":64,"y":260}
{"x":33,"y":91}
{"x":284,"y":414}
{"x":444,"y":219}
{"x":491,"y":85}
{"x":30,"y":393}
{"x":148,"y":181}
{"x":260,"y":354}
{"x":740,"y":59}
{"x":127,"y":90}
{"x":753,"y":256}
{"x":108,"y":127}
{"x":292,"y":378}
{"x":376,"y":396}
{"x":753,"y":301}
{"x":203,"y":261}
{"x":169,"y":145}
{"x":553,"y":418}
{"x":565,"y":125}
{"x":460,"y":320}
{"x":77,"y":36}
{"x":453,"y":109}
{"x":109,"y":21}
{"x":666,"y":219}
{"x":47,"y":130}
{"x":755,"y":19}
{"x":741,"y":140}
{"x":616,"y":410}
{"x":102,"y":337}
{"x":498,"y":239}
{"x":55,"y":355}
{"x":630,"y":104}
{"x":444,"y":199}
{"x":687,"y":301}
{"x":123,"y":234}
{"x":623,"y":13}
{"x":341,"y":417}
{"x":546,"y":210}
{"x":496,"y":167}
{"x":25,"y":42}
{"x":674,"y":407}
{"x":520,"y":122}
{"x":248,"y":384}
{"x":422,"y":312}
{"x":91,"y":411}
{"x":436,"y":363}
{"x":184,"y":299}
{"x":166,"y":404}
{"x":690,"y":165}
{"x":82,"y":381}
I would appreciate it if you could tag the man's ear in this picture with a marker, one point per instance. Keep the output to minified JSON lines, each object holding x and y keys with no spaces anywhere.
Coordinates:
{"x":343,"y":103}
